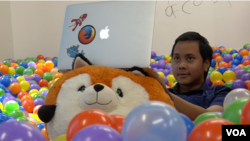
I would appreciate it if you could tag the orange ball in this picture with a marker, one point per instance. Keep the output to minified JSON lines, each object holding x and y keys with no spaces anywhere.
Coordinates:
{"x":40,"y":57}
{"x":222,"y":63}
{"x":230,"y":63}
{"x":4,"y":69}
{"x":214,"y":48}
{"x":248,"y":86}
{"x":43,"y":83}
{"x":45,"y":69}
{"x":39,"y":72}
{"x":246,"y":62}
{"x":39,"y":65}
{"x":241,"y":65}
{"x":244,"y":52}
{"x":222,"y":49}
{"x":218,"y":58}
{"x":28,"y":105}
{"x":166,"y":61}
{"x":218,"y":82}
{"x":216,"y":67}
{"x":32,"y":123}
{"x":21,"y":94}
{"x":49,"y":65}
{"x":15,"y":88}
{"x":1,"y":63}
{"x":48,"y":58}
{"x":26,"y":97}
{"x":58,"y":75}
{"x":51,"y":82}
{"x":215,"y":55}
{"x":246,"y":82}
{"x":226,"y":65}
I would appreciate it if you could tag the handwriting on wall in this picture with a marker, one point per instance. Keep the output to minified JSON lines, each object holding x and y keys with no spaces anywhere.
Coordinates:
{"x":171,"y":10}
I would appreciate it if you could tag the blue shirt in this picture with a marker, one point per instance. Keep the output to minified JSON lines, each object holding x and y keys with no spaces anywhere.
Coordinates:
{"x":204,"y":96}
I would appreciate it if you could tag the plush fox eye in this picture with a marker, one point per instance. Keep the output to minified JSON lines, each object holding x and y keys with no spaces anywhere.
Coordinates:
{"x":82,"y":88}
{"x":119,"y":92}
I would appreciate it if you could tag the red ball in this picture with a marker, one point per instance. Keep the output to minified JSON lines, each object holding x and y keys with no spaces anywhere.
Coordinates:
{"x":215,"y":55}
{"x":28,"y":105}
{"x":43,"y":83}
{"x":45,"y":69}
{"x":40,"y":57}
{"x":21,"y":94}
{"x":245,"y":115}
{"x":246,"y":62}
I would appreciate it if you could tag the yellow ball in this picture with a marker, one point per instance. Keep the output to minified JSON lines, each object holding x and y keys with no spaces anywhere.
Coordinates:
{"x":161,"y":74}
{"x":33,"y":91}
{"x":1,"y":106}
{"x":174,"y":84}
{"x":170,"y":78}
{"x":56,"y":79}
{"x":54,"y":71}
{"x":61,"y":138}
{"x":229,"y":50}
{"x":41,"y":61}
{"x":167,"y":57}
{"x":35,"y":116}
{"x":152,"y":60}
{"x":234,"y":54}
{"x":25,"y":85}
{"x":20,"y":79}
{"x":33,"y":94}
{"x":249,"y":53}
{"x":215,"y":75}
{"x":228,"y":75}
{"x":12,"y":70}
{"x":43,"y":89}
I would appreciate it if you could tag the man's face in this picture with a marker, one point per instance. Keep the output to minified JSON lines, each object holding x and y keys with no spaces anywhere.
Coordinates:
{"x":187,"y":64}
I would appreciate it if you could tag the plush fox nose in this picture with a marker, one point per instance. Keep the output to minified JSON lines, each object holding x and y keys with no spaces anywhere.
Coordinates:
{"x":98,"y":87}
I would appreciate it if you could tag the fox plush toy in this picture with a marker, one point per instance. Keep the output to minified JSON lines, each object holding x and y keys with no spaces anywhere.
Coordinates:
{"x":114,"y":91}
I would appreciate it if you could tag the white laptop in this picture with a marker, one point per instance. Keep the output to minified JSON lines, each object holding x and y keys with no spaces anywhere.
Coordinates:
{"x":116,"y":34}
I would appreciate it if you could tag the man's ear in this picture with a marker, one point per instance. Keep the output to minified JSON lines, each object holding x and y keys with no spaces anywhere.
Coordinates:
{"x":80,"y":61}
{"x":206,"y":65}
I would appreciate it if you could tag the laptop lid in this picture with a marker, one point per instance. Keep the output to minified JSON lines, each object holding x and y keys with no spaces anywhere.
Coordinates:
{"x":116,"y":34}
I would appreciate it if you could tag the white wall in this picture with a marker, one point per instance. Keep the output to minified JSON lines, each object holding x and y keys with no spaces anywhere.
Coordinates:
{"x":37,"y":26}
{"x":6,"y":44}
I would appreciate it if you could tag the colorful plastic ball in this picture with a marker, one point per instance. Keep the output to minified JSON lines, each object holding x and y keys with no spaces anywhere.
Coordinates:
{"x":35,"y":86}
{"x":32,"y":68}
{"x":245,"y":46}
{"x":23,"y":64}
{"x":215,"y":75}
{"x":38,"y":96}
{"x":55,"y":63}
{"x":58,"y":75}
{"x":228,"y":75}
{"x":245,"y":77}
{"x":4,"y":69}
{"x":240,"y":73}
{"x":236,"y":62}
{"x":218,"y":58}
{"x":228,"y":58}
{"x":10,"y":106}
{"x":48,"y":76}
{"x":28,"y":72}
{"x":39,"y":72}
{"x":33,"y":91}
{"x":39,"y":65}
{"x":49,"y":65}
{"x":15,"y":88}
{"x":215,"y":55}
{"x":33,"y":64}
{"x":45,"y":69}
{"x":233,"y":51}
{"x":28,"y":105}
{"x":229,"y":84}
{"x":246,"y":62}
{"x":40,"y":56}
{"x":39,"y":101}
{"x":35,"y":116}
{"x":12,"y":70}
{"x":206,"y":116}
{"x":19,"y":70}
{"x":36,"y":78}
{"x":238,"y":57}
{"x":222,"y":70}
{"x":244,"y":52}
{"x":43,"y":83}
{"x":218,"y":82}
{"x":214,"y":48}
{"x":170,"y":78}
{"x":35,"y":111}
{"x":217,"y":51}
{"x":17,"y":113}
{"x":7,"y":63}
{"x":3,"y":118}
{"x":44,"y":93}
{"x":238,"y":84}
{"x":161,"y":74}
{"x":25,"y":85}
{"x":2,"y":92}
{"x":5,"y":81}
{"x":213,"y":63}
{"x":153,"y":65}
{"x":234,"y":55}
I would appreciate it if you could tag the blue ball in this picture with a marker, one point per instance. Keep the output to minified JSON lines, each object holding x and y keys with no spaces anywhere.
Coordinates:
{"x":1,"y":73}
{"x":233,"y":51}
{"x":163,"y":57}
{"x":2,"y":86}
{"x":21,"y":108}
{"x":232,"y":66}
{"x":3,"y":118}
{"x":40,"y":126}
{"x":188,"y":122}
{"x":5,"y":81}
{"x":11,"y":117}
{"x":221,"y":47}
{"x":213,"y":63}
{"x":23,"y":64}
{"x":7,"y":76}
{"x":2,"y":98}
{"x":1,"y":111}
{"x":157,"y":58}
{"x":236,"y":62}
{"x":238,"y":56}
{"x":222,"y":70}
{"x":217,"y":51}
{"x":18,"y":101}
{"x":55,"y":63}
{"x":8,"y":91}
{"x":223,"y":55}
{"x":220,"y":61}
{"x":16,"y":75}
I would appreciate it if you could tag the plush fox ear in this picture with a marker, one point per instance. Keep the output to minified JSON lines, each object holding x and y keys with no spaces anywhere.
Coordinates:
{"x":80,"y":61}
{"x":137,"y":71}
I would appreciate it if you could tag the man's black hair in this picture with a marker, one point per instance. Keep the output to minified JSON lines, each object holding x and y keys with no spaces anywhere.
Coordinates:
{"x":204,"y":47}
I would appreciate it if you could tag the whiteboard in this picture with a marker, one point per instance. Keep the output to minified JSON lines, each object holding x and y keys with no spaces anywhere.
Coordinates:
{"x":223,"y":23}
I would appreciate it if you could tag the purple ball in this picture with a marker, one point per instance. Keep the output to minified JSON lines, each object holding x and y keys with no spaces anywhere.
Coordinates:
{"x":36,"y":78}
{"x":8,"y":98}
{"x":153,"y":54}
{"x":245,"y":77}
{"x":34,"y":86}
{"x":8,"y":94}
{"x":161,"y":64}
{"x":220,"y":113}
{"x":234,"y":69}
{"x":166,"y":80}
{"x":160,"y":70}
{"x":169,"y":67}
{"x":228,"y":58}
{"x":154,"y":65}
{"x":238,"y":84}
{"x":30,"y":82}
{"x":248,"y":48}
{"x":33,"y":64}
{"x":208,"y":81}
{"x":44,"y":93}
{"x":240,"y":73}
{"x":155,"y":69}
{"x":246,"y":58}
{"x":166,"y":72}
{"x":13,"y":80}
{"x":27,"y":78}
{"x":25,"y":113}
{"x":39,"y":101}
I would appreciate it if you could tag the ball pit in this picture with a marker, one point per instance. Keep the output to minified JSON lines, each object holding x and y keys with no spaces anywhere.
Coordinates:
{"x":24,"y":85}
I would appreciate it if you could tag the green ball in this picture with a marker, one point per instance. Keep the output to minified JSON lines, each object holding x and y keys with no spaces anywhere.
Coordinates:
{"x":22,"y":119}
{"x":56,"y":59}
{"x":38,"y":96}
{"x":17,"y":114}
{"x":33,"y":59}
{"x":34,"y":81}
{"x":11,"y":106}
{"x":32,"y":68}
{"x":48,"y":76}
{"x":7,"y":63}
{"x":28,"y":72}
{"x":233,"y":110}
{"x":246,"y":68}
{"x":20,"y":69}
{"x":27,"y":60}
{"x":175,"y":81}
{"x":229,"y":84}
{"x":245,"y":46}
{"x":2,"y":92}
{"x":206,"y":116}
{"x":51,"y":86}
{"x":170,"y":60}
{"x":19,"y":61}
{"x":11,"y":75}
{"x":224,"y":52}
{"x":211,"y":69}
{"x":209,"y":72}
